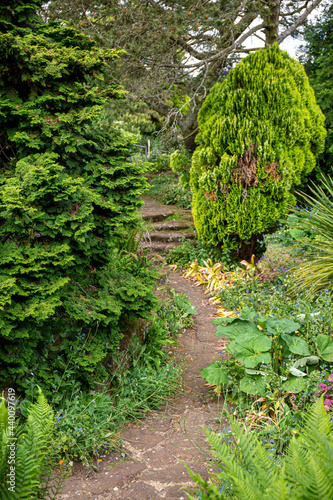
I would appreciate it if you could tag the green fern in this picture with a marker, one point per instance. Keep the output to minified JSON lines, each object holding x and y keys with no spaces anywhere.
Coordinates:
{"x":249,"y":472}
{"x":33,"y":439}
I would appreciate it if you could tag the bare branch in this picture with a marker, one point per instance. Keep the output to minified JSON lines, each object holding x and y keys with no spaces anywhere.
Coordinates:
{"x":299,"y":21}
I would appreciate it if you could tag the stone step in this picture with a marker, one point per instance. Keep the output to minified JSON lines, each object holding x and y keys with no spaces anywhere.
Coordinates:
{"x":159,"y":247}
{"x":172,"y":225}
{"x":169,"y":236}
{"x":156,"y":215}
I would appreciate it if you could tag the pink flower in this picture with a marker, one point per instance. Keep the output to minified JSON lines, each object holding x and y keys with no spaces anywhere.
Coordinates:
{"x":327,"y":408}
{"x":330,"y":378}
{"x":328,"y":402}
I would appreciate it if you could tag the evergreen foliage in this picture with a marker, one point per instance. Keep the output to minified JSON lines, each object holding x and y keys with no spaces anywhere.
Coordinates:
{"x":180,"y":162}
{"x":260,"y":132}
{"x":250,"y":471}
{"x":318,"y":59}
{"x":68,"y":197}
{"x":177,"y":49}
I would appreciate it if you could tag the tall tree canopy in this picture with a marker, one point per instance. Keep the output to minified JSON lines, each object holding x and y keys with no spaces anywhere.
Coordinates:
{"x":178,"y":49}
{"x":318,"y":60}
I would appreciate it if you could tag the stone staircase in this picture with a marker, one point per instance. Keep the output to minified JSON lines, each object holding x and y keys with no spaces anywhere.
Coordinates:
{"x":167,"y":225}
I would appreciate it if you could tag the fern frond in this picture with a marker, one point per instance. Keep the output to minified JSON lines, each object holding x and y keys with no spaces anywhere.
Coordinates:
{"x":304,"y":473}
{"x":210,"y":489}
{"x":32,"y":441}
{"x":279,"y":489}
{"x":3,"y":415}
{"x":315,"y":482}
{"x":317,"y":421}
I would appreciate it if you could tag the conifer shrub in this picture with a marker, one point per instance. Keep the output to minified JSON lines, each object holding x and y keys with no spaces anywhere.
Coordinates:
{"x":68,"y":199}
{"x":260,"y":132}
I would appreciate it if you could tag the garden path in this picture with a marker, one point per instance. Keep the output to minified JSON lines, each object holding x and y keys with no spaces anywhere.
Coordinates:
{"x":168,"y":224}
{"x":157,"y":444}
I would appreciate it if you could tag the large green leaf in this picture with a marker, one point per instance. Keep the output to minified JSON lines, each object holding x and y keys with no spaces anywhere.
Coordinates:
{"x":252,"y":351}
{"x":276,"y":326}
{"x":296,"y":345}
{"x":295,"y":384}
{"x":231,"y":348}
{"x":248,"y":313}
{"x":325,"y":347}
{"x":215,"y":373}
{"x":249,"y":371}
{"x":296,"y":372}
{"x":255,"y":385}
{"x":307,"y":361}
{"x":235,"y":328}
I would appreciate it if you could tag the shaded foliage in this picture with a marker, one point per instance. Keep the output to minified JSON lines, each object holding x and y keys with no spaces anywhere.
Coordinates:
{"x":317,"y":57}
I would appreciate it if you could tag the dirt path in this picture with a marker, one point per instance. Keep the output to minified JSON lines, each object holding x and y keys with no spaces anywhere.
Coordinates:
{"x":156,"y":444}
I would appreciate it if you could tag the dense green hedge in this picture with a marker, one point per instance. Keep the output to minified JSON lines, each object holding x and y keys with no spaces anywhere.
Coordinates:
{"x":68,"y":198}
{"x":260,"y":132}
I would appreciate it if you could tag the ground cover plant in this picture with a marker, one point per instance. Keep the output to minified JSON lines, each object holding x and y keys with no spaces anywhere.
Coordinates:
{"x":193,"y":250}
{"x":276,"y":329}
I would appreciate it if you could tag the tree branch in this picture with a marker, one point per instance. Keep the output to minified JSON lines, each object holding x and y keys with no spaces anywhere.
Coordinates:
{"x":299,"y":21}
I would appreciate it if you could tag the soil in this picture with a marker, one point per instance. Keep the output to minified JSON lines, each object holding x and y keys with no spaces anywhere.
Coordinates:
{"x":150,"y":466}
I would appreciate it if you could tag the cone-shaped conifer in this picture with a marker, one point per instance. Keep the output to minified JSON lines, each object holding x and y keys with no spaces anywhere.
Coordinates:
{"x":260,"y":132}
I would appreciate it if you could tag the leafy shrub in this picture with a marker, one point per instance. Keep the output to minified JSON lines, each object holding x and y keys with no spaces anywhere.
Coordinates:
{"x":25,"y":451}
{"x":272,"y":358}
{"x":68,"y":196}
{"x":161,"y":184}
{"x":195,"y":250}
{"x":162,"y":162}
{"x":260,"y":132}
{"x":180,"y":162}
{"x":178,"y":196}
{"x":247,"y":470}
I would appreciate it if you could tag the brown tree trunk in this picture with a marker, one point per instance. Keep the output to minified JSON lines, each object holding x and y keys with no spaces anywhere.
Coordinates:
{"x":189,"y":127}
{"x":272,"y":26}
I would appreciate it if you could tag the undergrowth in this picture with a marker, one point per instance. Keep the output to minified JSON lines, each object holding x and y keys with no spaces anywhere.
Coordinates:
{"x":166,"y":189}
{"x":195,"y":250}
{"x":141,"y":378}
